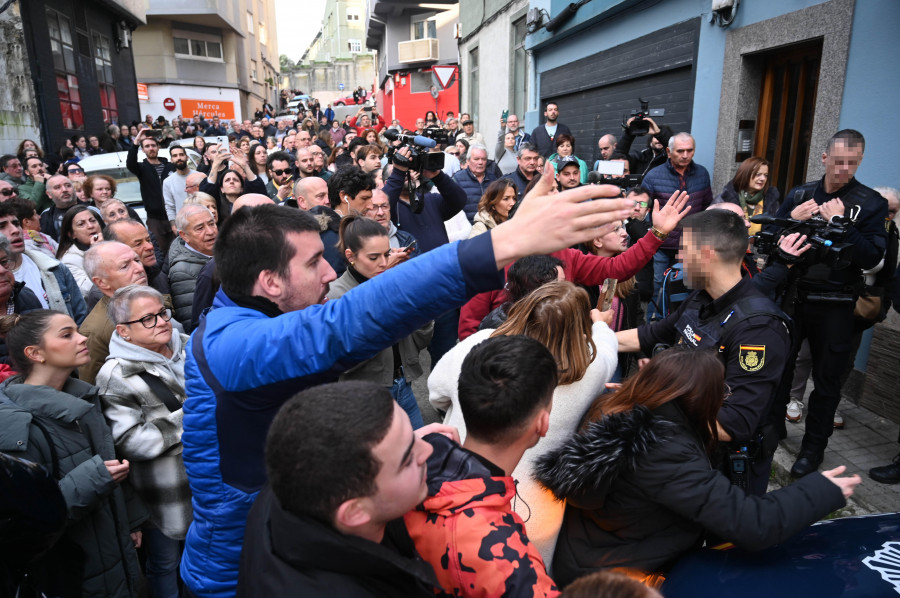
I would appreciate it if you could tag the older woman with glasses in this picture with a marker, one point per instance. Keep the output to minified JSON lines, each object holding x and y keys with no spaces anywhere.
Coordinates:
{"x":142,"y":391}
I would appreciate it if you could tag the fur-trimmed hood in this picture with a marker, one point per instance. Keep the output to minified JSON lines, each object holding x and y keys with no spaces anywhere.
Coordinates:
{"x":591,"y":461}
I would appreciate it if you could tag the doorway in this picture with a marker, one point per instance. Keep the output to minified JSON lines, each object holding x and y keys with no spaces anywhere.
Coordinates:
{"x":786,"y":110}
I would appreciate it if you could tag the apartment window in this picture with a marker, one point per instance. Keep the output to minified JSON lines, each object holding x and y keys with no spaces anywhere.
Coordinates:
{"x":253,"y":70}
{"x":250,"y":22}
{"x":103,"y":63}
{"x":354,"y":45}
{"x":353,"y":14}
{"x":262,"y":33}
{"x":426,"y":29}
{"x":519,"y":89}
{"x":64,"y":64}
{"x":473,"y":83}
{"x":198,"y":46}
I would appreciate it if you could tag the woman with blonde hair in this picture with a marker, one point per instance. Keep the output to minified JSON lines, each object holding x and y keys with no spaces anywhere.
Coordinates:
{"x":494,"y":206}
{"x":559,"y":315}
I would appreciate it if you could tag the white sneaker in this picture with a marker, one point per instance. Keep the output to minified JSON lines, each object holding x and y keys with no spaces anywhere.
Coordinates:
{"x":794,"y":411}
{"x":838,"y":421}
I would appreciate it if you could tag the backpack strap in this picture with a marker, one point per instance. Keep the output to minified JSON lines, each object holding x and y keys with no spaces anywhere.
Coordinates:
{"x":162,"y":392}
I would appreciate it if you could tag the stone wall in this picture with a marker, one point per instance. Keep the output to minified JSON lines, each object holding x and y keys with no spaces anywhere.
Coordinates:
{"x":18,"y":106}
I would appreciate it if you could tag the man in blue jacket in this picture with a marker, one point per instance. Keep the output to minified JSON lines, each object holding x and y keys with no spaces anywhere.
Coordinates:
{"x":475,"y":178}
{"x":679,"y":173}
{"x":271,"y":334}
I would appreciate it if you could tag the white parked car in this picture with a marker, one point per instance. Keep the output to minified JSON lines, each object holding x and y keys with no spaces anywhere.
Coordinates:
{"x":128,"y":189}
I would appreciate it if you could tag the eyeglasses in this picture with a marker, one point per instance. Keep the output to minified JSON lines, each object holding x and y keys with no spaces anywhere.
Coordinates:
{"x":7,"y":192}
{"x":280,"y":172}
{"x":379,"y":208}
{"x":643,"y":204}
{"x":75,"y":171}
{"x":149,"y":321}
{"x":727,"y":390}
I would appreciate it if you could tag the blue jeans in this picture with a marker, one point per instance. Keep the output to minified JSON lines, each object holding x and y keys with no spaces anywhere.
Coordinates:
{"x":403,"y":394}
{"x":163,"y":558}
{"x":663,"y":259}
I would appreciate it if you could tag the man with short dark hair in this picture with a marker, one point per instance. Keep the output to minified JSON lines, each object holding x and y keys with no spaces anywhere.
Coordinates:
{"x":215,"y":129}
{"x":543,"y":136}
{"x":823,"y":311}
{"x":349,"y":192}
{"x":275,"y":283}
{"x":331,"y":521}
{"x":475,"y":178}
{"x":728,"y":313}
{"x":305,"y":163}
{"x":62,"y":194}
{"x":48,"y":278}
{"x":280,"y":172}
{"x":35,"y":188}
{"x":368,"y":158}
{"x":151,"y":173}
{"x":175,"y":185}
{"x":466,"y":528}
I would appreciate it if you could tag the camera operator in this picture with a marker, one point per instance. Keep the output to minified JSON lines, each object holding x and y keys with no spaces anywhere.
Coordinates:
{"x":427,"y":226}
{"x":641,"y":161}
{"x":823,"y":309}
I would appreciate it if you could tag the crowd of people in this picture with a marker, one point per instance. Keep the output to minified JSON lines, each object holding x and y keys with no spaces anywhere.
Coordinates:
{"x":221,"y":389}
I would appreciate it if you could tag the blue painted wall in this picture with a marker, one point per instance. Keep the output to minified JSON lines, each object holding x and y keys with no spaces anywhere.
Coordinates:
{"x":869,"y":101}
{"x":871,"y":95}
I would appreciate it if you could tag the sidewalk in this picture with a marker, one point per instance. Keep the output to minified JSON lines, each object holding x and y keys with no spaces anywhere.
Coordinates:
{"x":866,"y":441}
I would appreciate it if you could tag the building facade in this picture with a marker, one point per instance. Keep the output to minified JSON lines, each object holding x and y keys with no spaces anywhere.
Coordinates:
{"x":337,"y":61}
{"x":68,"y":69}
{"x":494,"y":61}
{"x":211,"y":58}
{"x":774,"y":79}
{"x":411,"y":39}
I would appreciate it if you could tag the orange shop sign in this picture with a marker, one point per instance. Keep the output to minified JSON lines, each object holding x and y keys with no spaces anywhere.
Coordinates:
{"x":207,"y":108}
{"x":143,"y":94}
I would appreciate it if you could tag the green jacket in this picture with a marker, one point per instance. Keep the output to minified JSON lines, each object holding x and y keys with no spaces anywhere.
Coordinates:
{"x":100,"y":515}
{"x":36,"y":191}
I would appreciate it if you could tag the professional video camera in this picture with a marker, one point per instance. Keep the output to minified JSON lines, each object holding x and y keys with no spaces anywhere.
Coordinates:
{"x":825,"y":239}
{"x":420,"y":159}
{"x":639,"y":126}
{"x":612,"y":172}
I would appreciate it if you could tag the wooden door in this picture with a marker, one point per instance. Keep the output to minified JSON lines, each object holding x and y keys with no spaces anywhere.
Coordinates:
{"x":786,"y":109}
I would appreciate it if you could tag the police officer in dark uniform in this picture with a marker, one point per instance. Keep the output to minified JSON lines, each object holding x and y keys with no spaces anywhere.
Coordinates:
{"x":727,"y":313}
{"x":823,"y":309}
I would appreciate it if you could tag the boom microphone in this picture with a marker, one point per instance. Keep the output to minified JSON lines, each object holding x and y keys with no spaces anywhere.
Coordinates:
{"x":414,"y":139}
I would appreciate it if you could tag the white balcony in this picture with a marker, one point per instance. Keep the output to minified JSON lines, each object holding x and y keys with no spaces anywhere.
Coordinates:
{"x":419,"y":50}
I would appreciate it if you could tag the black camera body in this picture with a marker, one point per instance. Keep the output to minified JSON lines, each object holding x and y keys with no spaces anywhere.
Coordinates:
{"x":826,"y":239}
{"x":639,"y":126}
{"x":420,"y":159}
{"x":624,"y":181}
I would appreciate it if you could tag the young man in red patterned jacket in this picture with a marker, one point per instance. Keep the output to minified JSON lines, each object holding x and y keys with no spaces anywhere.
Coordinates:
{"x":466,"y":528}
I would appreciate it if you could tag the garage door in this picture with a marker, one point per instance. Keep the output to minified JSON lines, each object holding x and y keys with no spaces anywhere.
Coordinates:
{"x":597,"y":92}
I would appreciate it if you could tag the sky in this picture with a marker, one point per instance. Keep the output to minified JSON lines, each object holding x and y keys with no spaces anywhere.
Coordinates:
{"x":297,"y":22}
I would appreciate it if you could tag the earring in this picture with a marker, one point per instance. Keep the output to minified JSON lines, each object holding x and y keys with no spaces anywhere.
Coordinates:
{"x":353,"y":263}
{"x":43,"y":360}
{"x":127,"y":338}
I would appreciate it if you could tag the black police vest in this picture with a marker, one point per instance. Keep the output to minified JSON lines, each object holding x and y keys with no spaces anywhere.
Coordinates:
{"x":712,"y":333}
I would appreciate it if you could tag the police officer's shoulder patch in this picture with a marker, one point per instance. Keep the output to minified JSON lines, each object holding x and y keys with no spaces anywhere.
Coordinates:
{"x":752,"y":357}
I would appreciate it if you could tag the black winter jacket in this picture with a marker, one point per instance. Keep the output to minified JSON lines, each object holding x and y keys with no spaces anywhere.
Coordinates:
{"x":473,"y":189}
{"x":641,"y":491}
{"x":290,"y":555}
{"x":151,"y":182}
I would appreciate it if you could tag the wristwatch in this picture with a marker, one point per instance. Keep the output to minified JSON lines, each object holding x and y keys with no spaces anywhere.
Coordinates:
{"x":658,"y":234}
